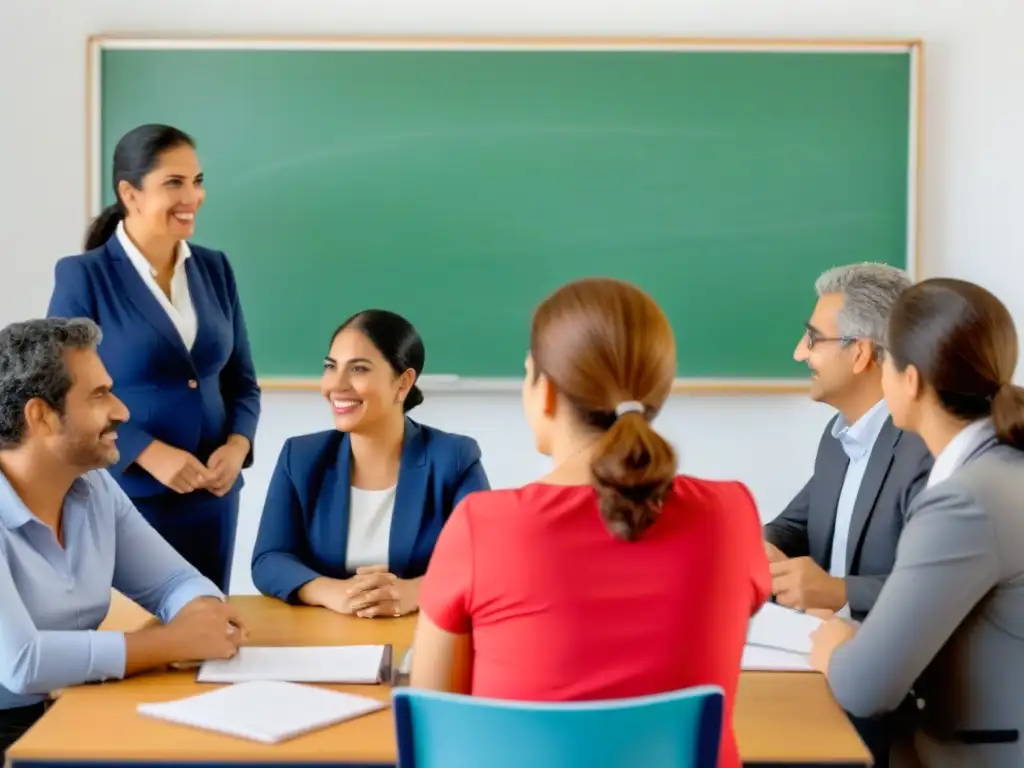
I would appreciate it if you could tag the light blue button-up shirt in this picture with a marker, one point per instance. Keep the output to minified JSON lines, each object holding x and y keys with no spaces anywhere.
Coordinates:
{"x":52,"y":599}
{"x":857,"y":441}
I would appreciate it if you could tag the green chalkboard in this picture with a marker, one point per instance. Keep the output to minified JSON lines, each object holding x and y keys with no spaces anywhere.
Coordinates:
{"x":459,"y":187}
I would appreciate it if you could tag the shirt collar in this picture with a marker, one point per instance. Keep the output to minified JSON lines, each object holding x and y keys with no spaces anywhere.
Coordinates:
{"x":858,"y":439}
{"x":14,"y":513}
{"x":953,"y":455}
{"x":140,"y":262}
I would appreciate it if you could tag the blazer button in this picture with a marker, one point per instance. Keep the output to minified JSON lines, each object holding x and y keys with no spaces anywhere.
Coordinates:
{"x":192,"y":383}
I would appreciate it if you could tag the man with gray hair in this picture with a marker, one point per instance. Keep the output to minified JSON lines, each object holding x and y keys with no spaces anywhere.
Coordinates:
{"x":834,"y":545}
{"x":68,"y":534}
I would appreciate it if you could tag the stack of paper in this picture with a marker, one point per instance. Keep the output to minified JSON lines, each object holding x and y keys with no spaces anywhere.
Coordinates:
{"x":779,"y":639}
{"x":352,"y":664}
{"x":757,"y":658}
{"x":265,"y":711}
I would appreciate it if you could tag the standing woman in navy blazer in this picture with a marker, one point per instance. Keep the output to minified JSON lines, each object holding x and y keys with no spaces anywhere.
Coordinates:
{"x":353,"y":513}
{"x":175,"y":344}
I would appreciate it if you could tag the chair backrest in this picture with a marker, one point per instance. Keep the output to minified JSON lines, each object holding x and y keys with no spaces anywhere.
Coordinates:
{"x":680,"y":729}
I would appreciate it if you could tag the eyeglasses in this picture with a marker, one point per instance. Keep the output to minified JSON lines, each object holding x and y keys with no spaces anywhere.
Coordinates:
{"x":813,"y":338}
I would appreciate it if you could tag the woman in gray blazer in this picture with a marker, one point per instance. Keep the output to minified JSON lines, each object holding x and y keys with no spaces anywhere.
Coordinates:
{"x":945,"y":640}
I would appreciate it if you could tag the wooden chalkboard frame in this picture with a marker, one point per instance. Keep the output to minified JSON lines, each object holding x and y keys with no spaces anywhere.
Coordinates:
{"x":914,"y":47}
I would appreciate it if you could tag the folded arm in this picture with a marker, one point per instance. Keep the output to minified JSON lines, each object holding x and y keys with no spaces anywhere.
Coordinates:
{"x":36,"y":661}
{"x":946,"y":562}
{"x":282,"y":549}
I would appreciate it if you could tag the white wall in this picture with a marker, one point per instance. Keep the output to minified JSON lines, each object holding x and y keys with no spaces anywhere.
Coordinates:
{"x":972,"y":199}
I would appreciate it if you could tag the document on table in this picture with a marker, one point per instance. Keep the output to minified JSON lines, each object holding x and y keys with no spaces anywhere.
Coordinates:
{"x":782,"y":628}
{"x":757,"y":658}
{"x":353,"y":664}
{"x":268,"y":711}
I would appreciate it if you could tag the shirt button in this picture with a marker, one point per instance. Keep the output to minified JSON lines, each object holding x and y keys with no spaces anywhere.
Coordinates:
{"x":192,"y":383}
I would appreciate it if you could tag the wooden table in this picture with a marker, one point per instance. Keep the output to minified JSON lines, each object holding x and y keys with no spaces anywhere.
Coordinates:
{"x":780,"y":718}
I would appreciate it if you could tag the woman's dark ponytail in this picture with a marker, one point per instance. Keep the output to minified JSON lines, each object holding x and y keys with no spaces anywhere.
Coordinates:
{"x":1008,"y":415}
{"x":414,"y":398}
{"x":103,"y":226}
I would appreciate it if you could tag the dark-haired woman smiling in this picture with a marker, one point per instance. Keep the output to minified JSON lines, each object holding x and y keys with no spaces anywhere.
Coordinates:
{"x":175,"y":344}
{"x":948,"y":625}
{"x":353,"y":513}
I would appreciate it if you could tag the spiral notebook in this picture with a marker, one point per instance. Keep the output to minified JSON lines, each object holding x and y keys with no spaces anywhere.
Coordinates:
{"x":267,"y":711}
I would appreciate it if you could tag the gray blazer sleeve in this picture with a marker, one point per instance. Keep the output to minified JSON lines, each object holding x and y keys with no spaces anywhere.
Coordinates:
{"x":946,"y":562}
{"x":862,"y":591}
{"x":788,"y":531}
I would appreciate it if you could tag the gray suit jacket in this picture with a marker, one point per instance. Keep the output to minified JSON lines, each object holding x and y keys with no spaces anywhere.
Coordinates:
{"x":897,"y":470}
{"x":949,"y":624}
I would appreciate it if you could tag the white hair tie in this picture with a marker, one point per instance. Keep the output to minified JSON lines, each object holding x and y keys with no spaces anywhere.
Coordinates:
{"x":630,"y":406}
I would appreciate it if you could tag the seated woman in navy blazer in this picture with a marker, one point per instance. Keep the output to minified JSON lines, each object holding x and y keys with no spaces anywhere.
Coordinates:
{"x":175,"y":344}
{"x":352,"y":514}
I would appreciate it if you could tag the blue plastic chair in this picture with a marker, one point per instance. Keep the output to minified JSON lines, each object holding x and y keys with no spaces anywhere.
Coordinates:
{"x":680,"y":729}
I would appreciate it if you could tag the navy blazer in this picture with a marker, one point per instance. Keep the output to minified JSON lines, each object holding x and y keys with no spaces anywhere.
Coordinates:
{"x":192,"y":400}
{"x":303,"y":533}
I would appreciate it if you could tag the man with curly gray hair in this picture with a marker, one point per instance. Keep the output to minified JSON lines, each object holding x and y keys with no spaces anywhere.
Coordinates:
{"x":68,"y":534}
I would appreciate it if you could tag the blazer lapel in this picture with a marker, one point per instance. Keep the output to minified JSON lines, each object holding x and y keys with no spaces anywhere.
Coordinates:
{"x":824,"y":505}
{"x":874,"y":476}
{"x":332,"y":505}
{"x":410,"y":499}
{"x":199,"y":291}
{"x":143,"y":299}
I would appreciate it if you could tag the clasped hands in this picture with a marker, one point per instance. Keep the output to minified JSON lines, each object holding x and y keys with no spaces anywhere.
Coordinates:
{"x":372,"y":592}
{"x":183,"y":473}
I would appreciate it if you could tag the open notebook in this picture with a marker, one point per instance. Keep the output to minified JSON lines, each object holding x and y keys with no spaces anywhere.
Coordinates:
{"x":352,"y":664}
{"x":267,"y":711}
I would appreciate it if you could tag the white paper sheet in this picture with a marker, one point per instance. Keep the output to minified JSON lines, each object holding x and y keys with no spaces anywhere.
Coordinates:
{"x":761,"y":659}
{"x":267,"y":711}
{"x":782,"y":628}
{"x":313,"y":664}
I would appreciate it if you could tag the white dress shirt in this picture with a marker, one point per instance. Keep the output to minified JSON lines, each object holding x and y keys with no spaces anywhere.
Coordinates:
{"x":857,"y":440}
{"x":369,"y":527}
{"x":179,"y":306}
{"x":952,"y":456}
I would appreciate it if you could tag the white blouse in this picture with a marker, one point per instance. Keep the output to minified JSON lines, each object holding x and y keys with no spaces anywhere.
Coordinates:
{"x":369,"y":527}
{"x":179,"y":307}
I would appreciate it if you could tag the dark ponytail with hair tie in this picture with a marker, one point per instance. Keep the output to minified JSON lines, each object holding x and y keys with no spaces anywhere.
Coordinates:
{"x":1008,"y":415}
